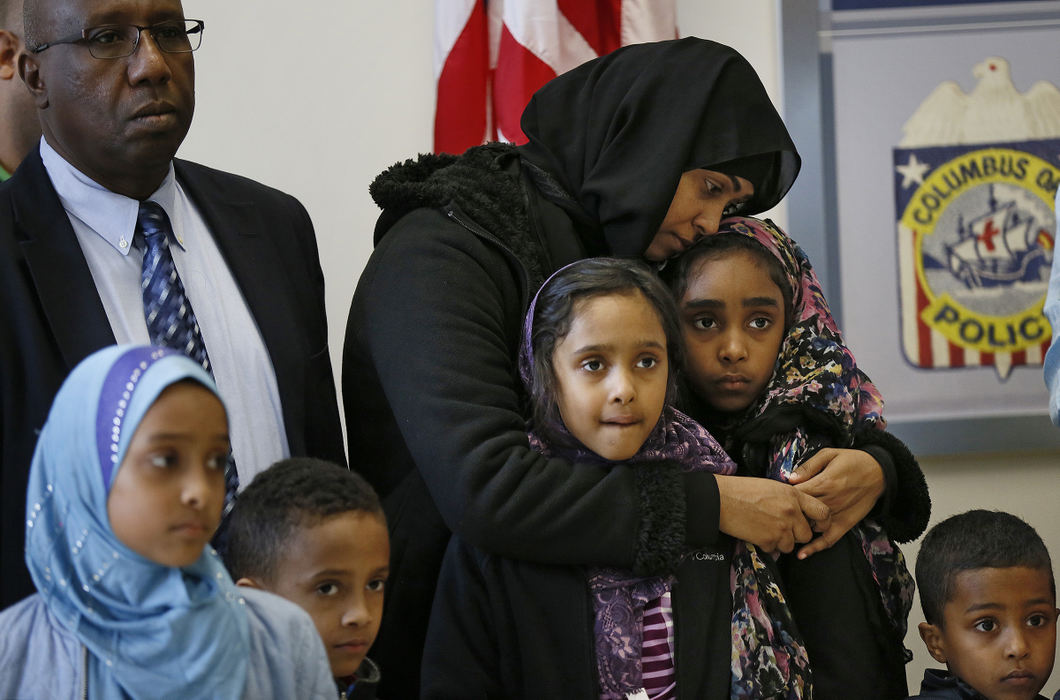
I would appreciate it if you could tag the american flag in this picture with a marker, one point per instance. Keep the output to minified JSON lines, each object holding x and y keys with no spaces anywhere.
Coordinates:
{"x":490,"y":56}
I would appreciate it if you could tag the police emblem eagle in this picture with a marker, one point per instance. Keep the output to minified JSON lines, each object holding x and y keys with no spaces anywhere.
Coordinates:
{"x":975,"y":179}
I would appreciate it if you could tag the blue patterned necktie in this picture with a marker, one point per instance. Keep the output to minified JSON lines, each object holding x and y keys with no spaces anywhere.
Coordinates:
{"x":170,"y":319}
{"x":167,"y":310}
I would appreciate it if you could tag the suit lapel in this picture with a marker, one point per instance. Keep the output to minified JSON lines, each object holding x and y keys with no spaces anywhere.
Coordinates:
{"x":241,"y":234}
{"x":57,"y":265}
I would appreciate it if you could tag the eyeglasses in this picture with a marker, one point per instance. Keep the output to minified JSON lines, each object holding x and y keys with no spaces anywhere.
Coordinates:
{"x":121,"y":40}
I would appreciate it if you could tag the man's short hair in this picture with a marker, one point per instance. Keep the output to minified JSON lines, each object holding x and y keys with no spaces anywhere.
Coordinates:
{"x":977,"y":539}
{"x":292,"y":493}
{"x":31,"y":22}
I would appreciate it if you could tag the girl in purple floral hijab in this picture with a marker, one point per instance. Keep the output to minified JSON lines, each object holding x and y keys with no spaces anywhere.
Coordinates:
{"x":572,"y":365}
{"x":599,"y":356}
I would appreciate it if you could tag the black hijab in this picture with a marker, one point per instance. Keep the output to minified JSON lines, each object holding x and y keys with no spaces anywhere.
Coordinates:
{"x":618,"y":131}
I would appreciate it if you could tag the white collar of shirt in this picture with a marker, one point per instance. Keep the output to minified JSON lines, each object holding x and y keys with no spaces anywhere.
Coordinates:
{"x":111,"y":215}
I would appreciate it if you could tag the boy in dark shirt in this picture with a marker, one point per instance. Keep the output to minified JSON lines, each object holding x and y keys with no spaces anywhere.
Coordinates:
{"x":989,"y":598}
{"x":314,"y":533}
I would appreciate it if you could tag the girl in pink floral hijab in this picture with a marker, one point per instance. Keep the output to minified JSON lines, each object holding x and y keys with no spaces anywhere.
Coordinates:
{"x":770,"y":376}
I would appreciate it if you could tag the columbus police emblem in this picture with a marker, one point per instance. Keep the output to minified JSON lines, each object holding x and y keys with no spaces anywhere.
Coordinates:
{"x":975,"y":179}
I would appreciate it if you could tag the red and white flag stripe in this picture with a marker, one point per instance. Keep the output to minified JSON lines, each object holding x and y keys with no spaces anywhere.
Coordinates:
{"x":490,"y":56}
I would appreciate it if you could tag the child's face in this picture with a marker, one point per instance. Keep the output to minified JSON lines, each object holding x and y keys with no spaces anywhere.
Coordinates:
{"x":999,"y":631}
{"x":166,"y":499}
{"x":732,"y":315}
{"x":336,"y":571}
{"x":612,"y":373}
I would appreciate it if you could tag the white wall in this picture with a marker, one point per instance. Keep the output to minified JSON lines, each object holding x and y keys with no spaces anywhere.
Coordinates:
{"x":317,"y":98}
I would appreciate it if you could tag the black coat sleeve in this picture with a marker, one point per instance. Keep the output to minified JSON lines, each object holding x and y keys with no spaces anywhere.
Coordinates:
{"x":506,"y":629}
{"x":461,"y":658}
{"x":437,"y":316}
{"x":906,"y":507}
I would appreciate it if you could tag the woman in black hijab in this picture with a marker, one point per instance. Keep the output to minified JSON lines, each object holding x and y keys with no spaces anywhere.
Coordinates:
{"x":637,"y":153}
{"x":618,"y":132}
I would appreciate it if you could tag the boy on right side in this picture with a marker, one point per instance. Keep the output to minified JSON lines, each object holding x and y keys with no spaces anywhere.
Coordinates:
{"x":989,"y":598}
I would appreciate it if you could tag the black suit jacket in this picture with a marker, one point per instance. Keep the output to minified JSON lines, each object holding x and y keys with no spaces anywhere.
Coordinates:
{"x":51,"y":318}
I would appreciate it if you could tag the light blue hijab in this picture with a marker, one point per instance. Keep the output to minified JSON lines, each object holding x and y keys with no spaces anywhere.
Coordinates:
{"x":150,"y":630}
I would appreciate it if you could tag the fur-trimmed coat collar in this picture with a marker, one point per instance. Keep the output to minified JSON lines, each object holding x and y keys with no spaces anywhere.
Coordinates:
{"x":484,"y":184}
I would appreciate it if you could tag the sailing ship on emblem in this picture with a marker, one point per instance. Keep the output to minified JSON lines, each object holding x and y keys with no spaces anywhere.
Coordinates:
{"x":1003,"y":246}
{"x":975,"y":178}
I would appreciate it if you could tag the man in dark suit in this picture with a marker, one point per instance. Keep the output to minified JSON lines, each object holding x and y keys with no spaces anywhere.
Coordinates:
{"x":113,"y":82}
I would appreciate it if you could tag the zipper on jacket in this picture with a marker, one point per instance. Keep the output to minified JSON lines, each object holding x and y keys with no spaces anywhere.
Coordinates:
{"x":483,"y":233}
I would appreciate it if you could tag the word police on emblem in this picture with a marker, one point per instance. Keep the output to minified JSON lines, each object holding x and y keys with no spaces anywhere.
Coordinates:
{"x":975,"y":179}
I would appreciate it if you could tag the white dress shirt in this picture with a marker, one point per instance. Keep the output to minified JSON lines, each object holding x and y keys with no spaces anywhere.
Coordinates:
{"x":104,"y":223}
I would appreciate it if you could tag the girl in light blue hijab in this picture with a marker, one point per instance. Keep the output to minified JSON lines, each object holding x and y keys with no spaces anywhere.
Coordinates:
{"x":125,"y":491}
